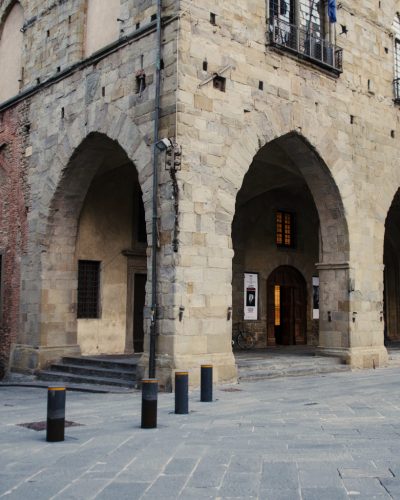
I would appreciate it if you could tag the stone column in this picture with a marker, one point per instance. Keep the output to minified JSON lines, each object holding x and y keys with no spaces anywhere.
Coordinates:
{"x":349,"y":325}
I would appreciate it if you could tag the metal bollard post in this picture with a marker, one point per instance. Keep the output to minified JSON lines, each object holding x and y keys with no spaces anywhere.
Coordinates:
{"x":206,"y":383}
{"x":181,"y":393}
{"x":55,"y":414}
{"x":149,"y":403}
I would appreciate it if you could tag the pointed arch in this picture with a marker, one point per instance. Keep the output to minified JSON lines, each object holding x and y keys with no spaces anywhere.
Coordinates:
{"x":90,"y":230}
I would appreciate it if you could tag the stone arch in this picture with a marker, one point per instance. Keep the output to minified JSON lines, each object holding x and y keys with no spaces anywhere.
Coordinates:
{"x":108,"y":121}
{"x":11,"y":40}
{"x":322,"y":185}
{"x":332,"y":265}
{"x":119,"y":131}
{"x":97,"y":154}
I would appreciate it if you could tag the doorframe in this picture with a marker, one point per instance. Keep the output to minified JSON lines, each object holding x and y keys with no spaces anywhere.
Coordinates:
{"x":136,"y":264}
{"x":271,"y":283}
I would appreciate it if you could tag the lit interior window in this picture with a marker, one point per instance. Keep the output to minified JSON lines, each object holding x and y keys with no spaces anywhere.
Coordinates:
{"x":284,"y":229}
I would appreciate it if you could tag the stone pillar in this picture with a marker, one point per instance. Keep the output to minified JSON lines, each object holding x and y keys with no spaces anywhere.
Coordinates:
{"x":347,"y":326}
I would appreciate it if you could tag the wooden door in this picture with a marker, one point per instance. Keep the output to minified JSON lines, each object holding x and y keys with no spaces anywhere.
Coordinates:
{"x":291,"y":327}
{"x":287,"y":310}
{"x":139,"y":295}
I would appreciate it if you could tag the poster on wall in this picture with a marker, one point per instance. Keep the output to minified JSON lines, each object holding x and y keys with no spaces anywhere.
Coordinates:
{"x":250,"y":296}
{"x":315,"y":288}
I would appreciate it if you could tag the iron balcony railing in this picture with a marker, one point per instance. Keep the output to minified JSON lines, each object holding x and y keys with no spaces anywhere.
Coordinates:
{"x":396,"y":89}
{"x":305,"y":44}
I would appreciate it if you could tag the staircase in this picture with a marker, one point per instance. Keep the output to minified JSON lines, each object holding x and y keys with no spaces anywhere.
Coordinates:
{"x":262,"y":364}
{"x":111,"y":371}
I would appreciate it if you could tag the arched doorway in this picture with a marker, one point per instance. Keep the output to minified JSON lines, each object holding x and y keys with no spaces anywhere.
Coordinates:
{"x":95,"y":263}
{"x":289,"y":229}
{"x":287,"y":307}
{"x":391,"y":259}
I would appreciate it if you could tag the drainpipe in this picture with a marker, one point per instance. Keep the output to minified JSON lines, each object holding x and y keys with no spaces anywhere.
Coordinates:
{"x":154,"y":238}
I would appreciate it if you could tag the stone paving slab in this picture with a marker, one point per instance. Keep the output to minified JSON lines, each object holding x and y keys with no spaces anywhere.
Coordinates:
{"x":320,"y":437}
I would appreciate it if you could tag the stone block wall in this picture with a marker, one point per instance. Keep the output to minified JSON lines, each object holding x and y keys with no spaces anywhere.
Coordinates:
{"x":341,"y":133}
{"x":350,"y":121}
{"x":90,"y":97}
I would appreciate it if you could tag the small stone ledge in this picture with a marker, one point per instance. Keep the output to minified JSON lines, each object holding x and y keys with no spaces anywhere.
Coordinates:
{"x":358,"y":357}
{"x":28,"y":359}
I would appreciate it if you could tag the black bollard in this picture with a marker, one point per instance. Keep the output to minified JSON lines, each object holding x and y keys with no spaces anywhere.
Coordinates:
{"x":149,"y":403}
{"x":55,"y":414}
{"x":181,"y":393}
{"x":206,"y":383}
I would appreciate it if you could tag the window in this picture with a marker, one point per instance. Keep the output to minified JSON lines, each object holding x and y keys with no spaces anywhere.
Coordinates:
{"x":396,"y":81}
{"x":88,"y":289}
{"x":11,"y":39}
{"x":302,"y":27}
{"x":285,"y":229}
{"x":102,"y":27}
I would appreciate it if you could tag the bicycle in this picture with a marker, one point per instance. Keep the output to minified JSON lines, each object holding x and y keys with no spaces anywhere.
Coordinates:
{"x":243,"y":339}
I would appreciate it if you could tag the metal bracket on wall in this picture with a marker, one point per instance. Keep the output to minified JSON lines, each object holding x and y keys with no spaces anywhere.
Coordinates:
{"x":217,"y":73}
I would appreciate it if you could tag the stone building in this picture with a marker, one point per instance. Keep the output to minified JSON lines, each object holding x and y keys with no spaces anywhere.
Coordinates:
{"x":287,"y":186}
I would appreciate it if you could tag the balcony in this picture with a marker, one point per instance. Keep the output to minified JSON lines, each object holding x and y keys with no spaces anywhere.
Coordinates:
{"x":305,"y":45}
{"x":396,"y":90}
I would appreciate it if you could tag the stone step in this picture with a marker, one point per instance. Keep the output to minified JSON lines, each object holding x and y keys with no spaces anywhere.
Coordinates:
{"x":256,"y":364}
{"x":115,"y":363}
{"x":125,"y":373}
{"x":294,"y":371}
{"x":66,"y":378}
{"x":116,"y":370}
{"x":284,"y":364}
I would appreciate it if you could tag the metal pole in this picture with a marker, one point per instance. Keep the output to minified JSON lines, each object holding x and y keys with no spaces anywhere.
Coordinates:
{"x":154,"y":242}
{"x":181,"y":393}
{"x":149,"y":403}
{"x":206,"y":389}
{"x":55,"y":414}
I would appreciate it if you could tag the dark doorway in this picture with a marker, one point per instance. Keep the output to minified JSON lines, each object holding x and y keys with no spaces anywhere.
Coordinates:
{"x":390,"y":314}
{"x":139,"y":302}
{"x":287,"y":307}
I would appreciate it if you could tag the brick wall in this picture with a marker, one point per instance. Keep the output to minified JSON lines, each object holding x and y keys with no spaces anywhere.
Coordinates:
{"x":14,"y":130}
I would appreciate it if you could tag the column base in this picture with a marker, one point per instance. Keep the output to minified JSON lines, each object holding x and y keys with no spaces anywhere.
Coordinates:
{"x":224,"y":368}
{"x":29,"y":359}
{"x":357,"y":357}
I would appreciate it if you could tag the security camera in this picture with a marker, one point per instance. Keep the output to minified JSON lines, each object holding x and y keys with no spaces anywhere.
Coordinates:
{"x":163,"y":144}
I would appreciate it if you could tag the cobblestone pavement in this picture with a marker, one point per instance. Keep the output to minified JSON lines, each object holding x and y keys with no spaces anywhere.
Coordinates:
{"x":323,"y":437}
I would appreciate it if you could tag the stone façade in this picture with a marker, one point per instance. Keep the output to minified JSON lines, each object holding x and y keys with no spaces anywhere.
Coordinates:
{"x":341,"y":132}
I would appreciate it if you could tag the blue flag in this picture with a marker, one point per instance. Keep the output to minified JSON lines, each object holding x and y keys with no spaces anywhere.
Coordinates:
{"x":332,"y":11}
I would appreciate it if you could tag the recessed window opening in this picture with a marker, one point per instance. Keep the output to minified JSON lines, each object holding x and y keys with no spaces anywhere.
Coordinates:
{"x":219,"y":83}
{"x":213,"y":18}
{"x":140,"y":81}
{"x":88,"y":289}
{"x":284,"y":229}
